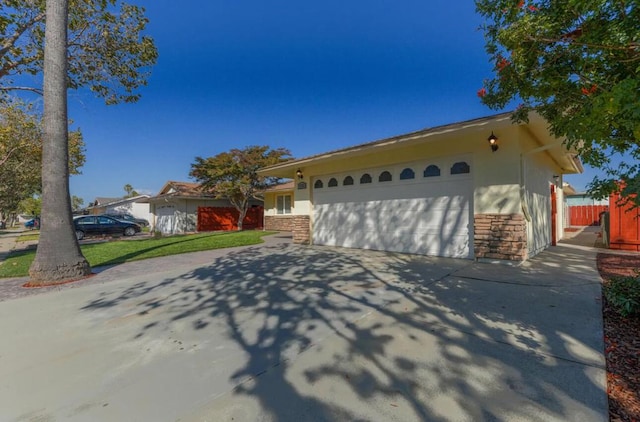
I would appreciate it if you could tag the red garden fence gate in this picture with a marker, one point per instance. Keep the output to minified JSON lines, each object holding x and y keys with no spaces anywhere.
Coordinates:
{"x":624,"y":225}
{"x":586,"y":215}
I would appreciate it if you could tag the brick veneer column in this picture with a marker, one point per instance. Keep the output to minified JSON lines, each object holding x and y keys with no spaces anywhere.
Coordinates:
{"x":278,"y":223}
{"x":500,"y":236}
{"x":301,"y":229}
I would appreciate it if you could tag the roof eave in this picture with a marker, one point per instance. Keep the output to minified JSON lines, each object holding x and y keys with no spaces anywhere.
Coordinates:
{"x":425,"y":135}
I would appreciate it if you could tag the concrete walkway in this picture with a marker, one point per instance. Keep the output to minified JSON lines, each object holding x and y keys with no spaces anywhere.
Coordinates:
{"x":283,"y":332}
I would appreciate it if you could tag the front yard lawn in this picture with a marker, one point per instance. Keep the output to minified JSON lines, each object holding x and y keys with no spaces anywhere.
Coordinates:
{"x":119,"y":251}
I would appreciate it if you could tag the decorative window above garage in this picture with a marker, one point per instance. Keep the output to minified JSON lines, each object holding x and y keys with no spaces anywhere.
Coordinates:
{"x":333,"y":182}
{"x":366,"y":178}
{"x":460,"y":167}
{"x":385,"y":176}
{"x":407,"y":174}
{"x":318,"y":184}
{"x":432,"y":171}
{"x":348,"y":181}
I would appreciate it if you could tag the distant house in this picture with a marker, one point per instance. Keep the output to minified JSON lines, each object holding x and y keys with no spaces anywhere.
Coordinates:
{"x":181,"y":207}
{"x":578,"y":199}
{"x":138,"y":206}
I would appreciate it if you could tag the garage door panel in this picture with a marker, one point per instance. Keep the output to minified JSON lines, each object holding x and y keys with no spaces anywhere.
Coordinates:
{"x":422,"y":216}
{"x":438,"y":193}
{"x":427,"y":242}
{"x":401,"y":213}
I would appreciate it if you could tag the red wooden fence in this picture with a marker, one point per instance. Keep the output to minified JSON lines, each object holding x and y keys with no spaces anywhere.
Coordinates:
{"x":226,"y":218}
{"x":624,"y":226}
{"x":586,"y":215}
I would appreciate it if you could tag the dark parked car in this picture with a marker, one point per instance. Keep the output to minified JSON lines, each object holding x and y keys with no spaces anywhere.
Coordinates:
{"x":128,"y":217}
{"x":90,"y":225}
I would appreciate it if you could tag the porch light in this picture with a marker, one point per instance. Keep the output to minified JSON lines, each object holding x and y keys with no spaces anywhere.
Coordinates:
{"x":299,"y":174}
{"x":493,"y":141}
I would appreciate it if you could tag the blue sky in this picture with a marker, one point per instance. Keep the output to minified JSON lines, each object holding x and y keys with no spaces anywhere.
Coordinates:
{"x":307,"y":76}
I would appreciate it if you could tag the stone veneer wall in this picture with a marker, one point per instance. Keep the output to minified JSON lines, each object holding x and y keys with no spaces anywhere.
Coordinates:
{"x":500,"y":236}
{"x":301,"y":229}
{"x":282,"y":223}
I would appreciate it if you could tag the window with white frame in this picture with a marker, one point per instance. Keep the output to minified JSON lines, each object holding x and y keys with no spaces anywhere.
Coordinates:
{"x":283,"y":204}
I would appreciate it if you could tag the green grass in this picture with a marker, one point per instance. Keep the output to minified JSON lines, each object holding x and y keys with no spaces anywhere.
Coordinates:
{"x":28,"y":237}
{"x":117,"y":252}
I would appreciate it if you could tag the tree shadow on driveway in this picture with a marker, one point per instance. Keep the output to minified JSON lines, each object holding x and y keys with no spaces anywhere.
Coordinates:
{"x":313,"y":333}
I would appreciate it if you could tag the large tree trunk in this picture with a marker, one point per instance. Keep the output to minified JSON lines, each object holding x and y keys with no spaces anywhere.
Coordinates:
{"x":58,"y":257}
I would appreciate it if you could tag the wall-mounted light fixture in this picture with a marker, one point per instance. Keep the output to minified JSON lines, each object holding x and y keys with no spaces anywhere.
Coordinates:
{"x":299,"y":174}
{"x":493,"y":141}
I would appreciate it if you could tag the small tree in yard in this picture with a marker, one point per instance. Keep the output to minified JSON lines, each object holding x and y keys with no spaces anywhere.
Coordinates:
{"x":577,"y":63}
{"x":233,"y":175}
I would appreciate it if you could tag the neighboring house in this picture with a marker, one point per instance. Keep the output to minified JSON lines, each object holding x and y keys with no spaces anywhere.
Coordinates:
{"x":584,"y":199}
{"x":138,"y":206}
{"x":181,"y":207}
{"x":580,"y":209}
{"x":486,"y":189}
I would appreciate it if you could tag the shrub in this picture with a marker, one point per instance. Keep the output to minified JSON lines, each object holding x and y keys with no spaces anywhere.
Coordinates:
{"x":623,"y":293}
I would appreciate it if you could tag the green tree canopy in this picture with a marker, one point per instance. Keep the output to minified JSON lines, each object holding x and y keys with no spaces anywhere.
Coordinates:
{"x":31,"y":205}
{"x":76,"y":203}
{"x":577,"y":64}
{"x":131,"y":192}
{"x":21,"y":154}
{"x":107,"y":51}
{"x":233,"y":175}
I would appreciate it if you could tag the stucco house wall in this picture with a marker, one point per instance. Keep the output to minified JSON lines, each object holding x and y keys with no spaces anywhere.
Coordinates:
{"x":137,"y":209}
{"x":509,"y":189}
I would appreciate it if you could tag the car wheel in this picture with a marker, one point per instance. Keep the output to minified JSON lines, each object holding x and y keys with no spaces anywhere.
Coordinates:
{"x":79,"y":234}
{"x":129,"y":231}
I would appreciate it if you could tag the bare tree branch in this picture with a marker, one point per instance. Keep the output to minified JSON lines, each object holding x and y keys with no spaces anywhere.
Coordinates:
{"x":21,"y":88}
{"x":11,"y":151}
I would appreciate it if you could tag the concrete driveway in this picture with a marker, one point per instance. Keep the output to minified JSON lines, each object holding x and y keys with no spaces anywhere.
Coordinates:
{"x":292,"y":333}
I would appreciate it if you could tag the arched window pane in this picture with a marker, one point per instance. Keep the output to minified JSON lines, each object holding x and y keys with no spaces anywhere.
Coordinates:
{"x":348,"y":181}
{"x":432,"y":171}
{"x":332,"y":182}
{"x":366,"y":178}
{"x":318,"y":184}
{"x":460,"y":168}
{"x":407,"y":174}
{"x":385,"y":176}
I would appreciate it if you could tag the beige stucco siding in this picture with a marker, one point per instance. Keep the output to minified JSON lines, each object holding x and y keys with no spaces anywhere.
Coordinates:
{"x":496,"y":175}
{"x":539,"y":169}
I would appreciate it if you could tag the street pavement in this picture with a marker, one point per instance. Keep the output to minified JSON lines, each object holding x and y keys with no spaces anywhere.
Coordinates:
{"x":283,"y":332}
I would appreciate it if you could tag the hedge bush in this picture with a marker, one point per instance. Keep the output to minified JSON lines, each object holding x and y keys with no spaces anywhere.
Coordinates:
{"x":623,"y":294}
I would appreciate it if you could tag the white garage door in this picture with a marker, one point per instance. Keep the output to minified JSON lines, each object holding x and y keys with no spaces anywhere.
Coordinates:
{"x":423,"y":209}
{"x":165,"y":218}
